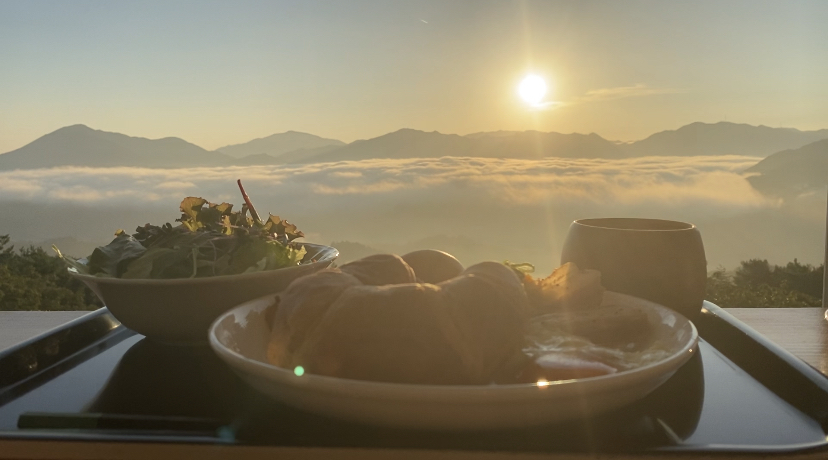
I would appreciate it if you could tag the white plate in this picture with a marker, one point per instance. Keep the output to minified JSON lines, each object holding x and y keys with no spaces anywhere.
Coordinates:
{"x":240,"y":338}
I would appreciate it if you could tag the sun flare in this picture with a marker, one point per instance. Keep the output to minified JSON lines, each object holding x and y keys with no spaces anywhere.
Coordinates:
{"x":532,"y":89}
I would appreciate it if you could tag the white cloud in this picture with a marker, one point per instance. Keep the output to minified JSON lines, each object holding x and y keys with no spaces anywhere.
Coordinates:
{"x":478,"y":208}
{"x":654,"y":180}
{"x":620,"y":92}
{"x":176,"y":185}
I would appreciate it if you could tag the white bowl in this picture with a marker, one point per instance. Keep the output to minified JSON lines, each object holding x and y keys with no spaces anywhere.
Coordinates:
{"x":180,"y":311}
{"x":240,"y":337}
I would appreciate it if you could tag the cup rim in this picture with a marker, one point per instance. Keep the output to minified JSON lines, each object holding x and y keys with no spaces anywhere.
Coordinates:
{"x":635,"y":224}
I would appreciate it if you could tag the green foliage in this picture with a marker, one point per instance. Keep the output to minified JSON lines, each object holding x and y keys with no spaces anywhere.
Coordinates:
{"x":32,"y":279}
{"x":756,"y":283}
{"x":211,"y":240}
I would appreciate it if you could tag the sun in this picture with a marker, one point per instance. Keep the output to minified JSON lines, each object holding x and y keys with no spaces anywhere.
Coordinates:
{"x":532,"y":89}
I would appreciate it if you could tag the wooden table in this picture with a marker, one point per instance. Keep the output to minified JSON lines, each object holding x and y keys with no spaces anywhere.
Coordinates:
{"x":804,"y":332}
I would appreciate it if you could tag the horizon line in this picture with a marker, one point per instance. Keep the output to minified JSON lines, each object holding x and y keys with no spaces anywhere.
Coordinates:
{"x":415,"y":129}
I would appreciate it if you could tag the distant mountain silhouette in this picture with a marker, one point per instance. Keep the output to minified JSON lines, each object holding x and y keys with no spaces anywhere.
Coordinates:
{"x":405,"y":143}
{"x":256,"y":159}
{"x":79,"y":145}
{"x":792,"y":172}
{"x":489,"y":134}
{"x":536,"y":144}
{"x":694,"y":139}
{"x":411,"y":143}
{"x":723,"y":138}
{"x":278,"y":144}
{"x":295,"y":156}
{"x":301,"y":155}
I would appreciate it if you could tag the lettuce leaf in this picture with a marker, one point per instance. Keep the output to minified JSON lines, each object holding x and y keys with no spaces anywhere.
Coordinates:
{"x":210,"y":240}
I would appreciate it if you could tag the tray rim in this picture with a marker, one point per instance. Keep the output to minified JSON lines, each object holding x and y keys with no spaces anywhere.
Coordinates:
{"x":16,"y":348}
{"x":710,"y":310}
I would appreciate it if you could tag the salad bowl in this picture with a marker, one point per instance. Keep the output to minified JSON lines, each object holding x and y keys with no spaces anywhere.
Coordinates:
{"x":180,"y":311}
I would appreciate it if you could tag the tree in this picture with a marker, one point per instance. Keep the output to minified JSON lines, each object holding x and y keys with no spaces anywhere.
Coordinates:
{"x":758,"y":284}
{"x":32,"y":279}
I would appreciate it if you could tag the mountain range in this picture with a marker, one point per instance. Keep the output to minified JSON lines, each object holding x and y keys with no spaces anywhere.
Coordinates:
{"x":279,"y":144}
{"x":79,"y":145}
{"x":402,"y":220}
{"x":792,"y":172}
{"x":724,"y":139}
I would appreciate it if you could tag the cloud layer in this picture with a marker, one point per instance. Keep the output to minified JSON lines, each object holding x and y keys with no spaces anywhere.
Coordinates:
{"x":620,"y":92}
{"x":656,"y":181}
{"x":475,"y":208}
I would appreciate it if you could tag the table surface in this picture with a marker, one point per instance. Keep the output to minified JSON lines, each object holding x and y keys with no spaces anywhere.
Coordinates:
{"x":802,"y":331}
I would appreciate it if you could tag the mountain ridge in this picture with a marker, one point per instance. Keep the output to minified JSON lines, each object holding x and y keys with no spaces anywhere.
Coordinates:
{"x":792,"y":172}
{"x":80,"y":145}
{"x":278,"y":144}
{"x":700,"y":138}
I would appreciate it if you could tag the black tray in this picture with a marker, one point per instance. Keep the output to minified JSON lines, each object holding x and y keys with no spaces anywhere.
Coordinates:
{"x":93,"y":379}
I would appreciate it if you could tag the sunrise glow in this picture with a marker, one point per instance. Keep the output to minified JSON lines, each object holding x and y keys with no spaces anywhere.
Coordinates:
{"x":532,"y":89}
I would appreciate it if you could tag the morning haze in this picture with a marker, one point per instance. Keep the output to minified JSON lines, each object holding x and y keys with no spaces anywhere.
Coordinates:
{"x":394,"y":126}
{"x":501,"y":195}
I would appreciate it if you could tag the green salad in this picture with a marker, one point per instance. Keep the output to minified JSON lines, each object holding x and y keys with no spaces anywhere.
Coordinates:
{"x":210,"y":240}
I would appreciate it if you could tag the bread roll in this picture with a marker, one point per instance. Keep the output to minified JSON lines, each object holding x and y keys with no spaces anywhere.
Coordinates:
{"x":506,"y":281}
{"x":301,"y":307}
{"x":369,"y":320}
{"x":385,"y":333}
{"x":433,"y":266}
{"x":380,"y":270}
{"x":488,"y":321}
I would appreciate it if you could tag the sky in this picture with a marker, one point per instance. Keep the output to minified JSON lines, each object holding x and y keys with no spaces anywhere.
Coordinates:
{"x":220,"y":73}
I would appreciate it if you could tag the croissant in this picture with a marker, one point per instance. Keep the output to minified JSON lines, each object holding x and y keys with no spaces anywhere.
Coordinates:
{"x":352,"y":323}
{"x":396,"y":333}
{"x":371,"y":320}
{"x":300,"y":309}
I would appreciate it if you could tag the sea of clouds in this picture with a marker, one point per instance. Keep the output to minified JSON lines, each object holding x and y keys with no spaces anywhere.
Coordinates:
{"x":716,"y":180}
{"x":475,"y":208}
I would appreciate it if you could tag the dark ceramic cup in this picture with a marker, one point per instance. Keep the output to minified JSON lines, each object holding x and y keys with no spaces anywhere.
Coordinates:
{"x":658,"y":260}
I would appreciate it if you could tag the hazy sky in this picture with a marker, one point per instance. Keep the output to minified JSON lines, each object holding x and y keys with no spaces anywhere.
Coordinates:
{"x":218,"y":73}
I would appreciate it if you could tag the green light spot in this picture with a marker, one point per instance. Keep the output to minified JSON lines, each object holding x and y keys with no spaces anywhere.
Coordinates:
{"x":299,"y":371}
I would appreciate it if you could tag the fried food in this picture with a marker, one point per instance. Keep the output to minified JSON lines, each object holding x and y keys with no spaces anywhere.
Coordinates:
{"x":559,"y":366}
{"x":568,"y":287}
